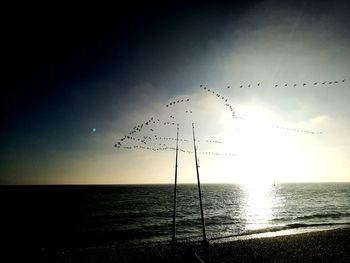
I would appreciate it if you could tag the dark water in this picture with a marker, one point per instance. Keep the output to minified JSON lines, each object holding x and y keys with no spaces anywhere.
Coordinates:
{"x":123,"y":215}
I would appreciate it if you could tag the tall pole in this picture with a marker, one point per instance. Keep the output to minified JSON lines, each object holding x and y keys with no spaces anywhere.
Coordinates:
{"x":173,"y":240}
{"x":199,"y":188}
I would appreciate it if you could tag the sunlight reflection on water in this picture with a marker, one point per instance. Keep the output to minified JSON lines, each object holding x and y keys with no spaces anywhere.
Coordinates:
{"x":258,"y":204}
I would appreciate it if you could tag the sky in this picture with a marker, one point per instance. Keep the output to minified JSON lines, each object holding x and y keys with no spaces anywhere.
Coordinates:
{"x":78,"y":79}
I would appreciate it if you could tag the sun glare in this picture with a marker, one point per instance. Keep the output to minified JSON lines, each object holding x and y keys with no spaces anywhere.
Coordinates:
{"x":265,"y":153}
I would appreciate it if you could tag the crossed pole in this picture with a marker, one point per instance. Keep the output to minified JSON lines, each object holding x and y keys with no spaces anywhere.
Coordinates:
{"x":173,"y":241}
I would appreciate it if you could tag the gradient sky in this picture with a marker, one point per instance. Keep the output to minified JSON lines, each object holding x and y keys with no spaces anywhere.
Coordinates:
{"x":78,"y":79}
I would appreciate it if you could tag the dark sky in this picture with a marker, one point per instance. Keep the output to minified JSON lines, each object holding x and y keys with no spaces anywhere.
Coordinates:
{"x":70,"y":68}
{"x":51,"y":53}
{"x":73,"y":44}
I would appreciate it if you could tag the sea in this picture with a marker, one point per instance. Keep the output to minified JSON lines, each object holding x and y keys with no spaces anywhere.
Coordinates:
{"x":138,"y":215}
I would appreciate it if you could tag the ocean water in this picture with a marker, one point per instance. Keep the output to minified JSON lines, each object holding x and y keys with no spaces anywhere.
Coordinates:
{"x":142,"y":214}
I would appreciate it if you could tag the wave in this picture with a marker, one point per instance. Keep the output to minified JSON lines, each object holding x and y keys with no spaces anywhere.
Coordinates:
{"x":315,"y":216}
{"x":280,"y":228}
{"x":333,"y":215}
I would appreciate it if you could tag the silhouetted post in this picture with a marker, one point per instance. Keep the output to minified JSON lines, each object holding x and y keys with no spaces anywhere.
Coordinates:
{"x":199,"y":188}
{"x":175,"y":186}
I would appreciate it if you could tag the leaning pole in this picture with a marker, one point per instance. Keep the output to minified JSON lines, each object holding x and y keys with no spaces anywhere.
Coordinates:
{"x":173,"y":240}
{"x":205,"y":242}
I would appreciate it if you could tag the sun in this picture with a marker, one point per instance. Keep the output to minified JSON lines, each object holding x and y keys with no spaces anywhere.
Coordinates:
{"x":266,"y":155}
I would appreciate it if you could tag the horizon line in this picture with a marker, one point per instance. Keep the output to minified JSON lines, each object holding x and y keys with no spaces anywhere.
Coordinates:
{"x":126,"y":184}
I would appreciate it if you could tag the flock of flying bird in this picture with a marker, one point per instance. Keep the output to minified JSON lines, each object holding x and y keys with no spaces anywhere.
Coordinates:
{"x":180,"y":149}
{"x":147,"y":142}
{"x":222,"y":98}
{"x":295,"y":130}
{"x":317,"y":83}
{"x":176,"y":102}
{"x":173,"y":103}
{"x":225,"y":100}
{"x":153,"y":142}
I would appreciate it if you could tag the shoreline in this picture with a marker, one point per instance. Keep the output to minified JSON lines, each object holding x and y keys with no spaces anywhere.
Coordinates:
{"x":320,"y":246}
{"x":332,"y":245}
{"x":283,"y":231}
